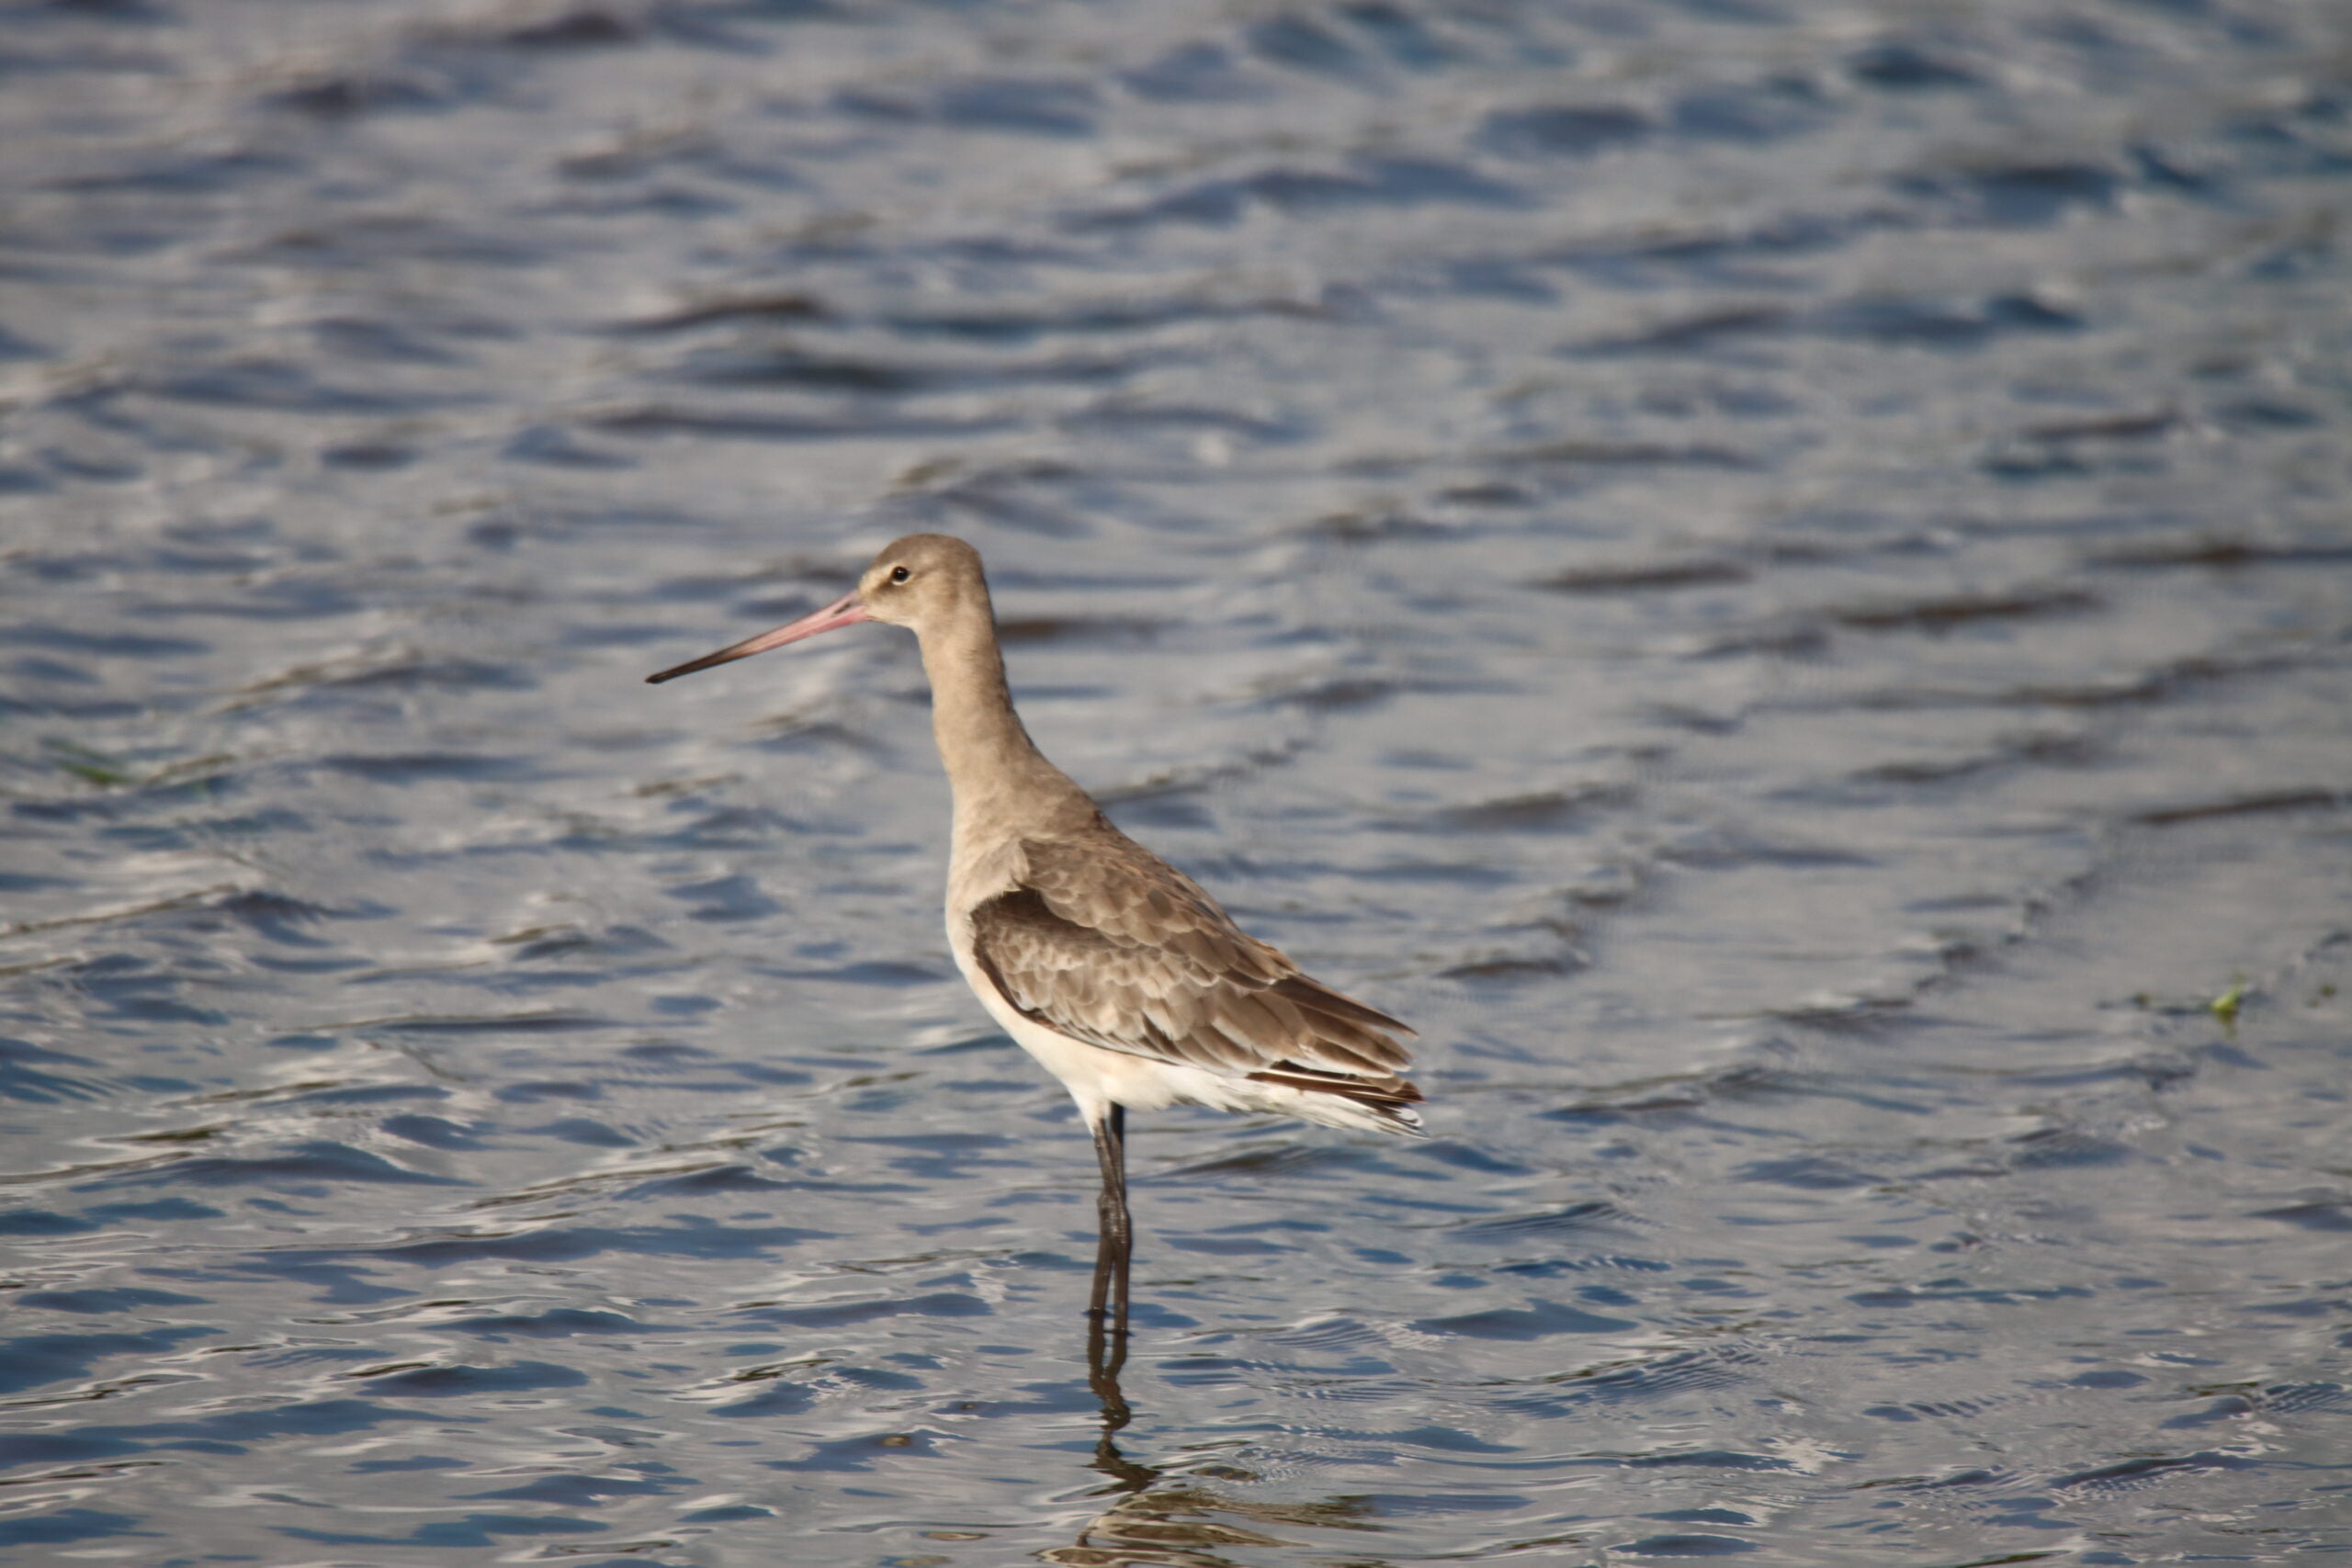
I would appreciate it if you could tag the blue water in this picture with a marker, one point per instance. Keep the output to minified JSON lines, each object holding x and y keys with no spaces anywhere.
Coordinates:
{"x":1775,"y":578}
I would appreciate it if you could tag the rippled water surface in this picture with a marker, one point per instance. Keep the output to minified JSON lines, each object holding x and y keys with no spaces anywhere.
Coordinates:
{"x":1775,"y":576}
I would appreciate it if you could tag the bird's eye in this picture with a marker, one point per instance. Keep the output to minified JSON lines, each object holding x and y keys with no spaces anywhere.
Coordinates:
{"x":900,"y":574}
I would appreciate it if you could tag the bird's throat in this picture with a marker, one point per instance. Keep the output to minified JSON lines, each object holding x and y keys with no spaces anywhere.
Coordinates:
{"x":993,"y":767}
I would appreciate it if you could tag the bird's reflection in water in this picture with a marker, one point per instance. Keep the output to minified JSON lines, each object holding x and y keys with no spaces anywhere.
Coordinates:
{"x":1158,"y":1522}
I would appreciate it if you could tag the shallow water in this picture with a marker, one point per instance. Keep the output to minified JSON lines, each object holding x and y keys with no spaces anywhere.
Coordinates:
{"x":1774,"y":577}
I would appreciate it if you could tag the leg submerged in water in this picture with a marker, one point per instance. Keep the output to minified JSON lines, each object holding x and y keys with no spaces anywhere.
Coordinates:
{"x":1106,"y":1318}
{"x":1115,"y":1250}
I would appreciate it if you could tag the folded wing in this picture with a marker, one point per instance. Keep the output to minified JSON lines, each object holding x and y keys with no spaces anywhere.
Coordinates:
{"x":1102,"y":940}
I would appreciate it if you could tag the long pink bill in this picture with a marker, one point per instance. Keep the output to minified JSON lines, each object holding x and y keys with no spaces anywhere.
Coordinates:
{"x":844,"y":611}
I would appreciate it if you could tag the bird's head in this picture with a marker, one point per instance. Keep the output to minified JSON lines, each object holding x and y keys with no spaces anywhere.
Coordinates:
{"x":921,"y":579}
{"x":916,"y":582}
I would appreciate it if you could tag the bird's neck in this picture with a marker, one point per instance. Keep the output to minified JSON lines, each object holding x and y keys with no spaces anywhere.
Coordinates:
{"x":998,"y":774}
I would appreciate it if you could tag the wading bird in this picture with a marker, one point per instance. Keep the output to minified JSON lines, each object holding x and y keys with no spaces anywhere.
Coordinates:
{"x":1110,"y":967}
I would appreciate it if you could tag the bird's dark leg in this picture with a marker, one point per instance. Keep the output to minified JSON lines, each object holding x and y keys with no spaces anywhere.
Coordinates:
{"x":1107,"y":1318}
{"x":1115,"y":1248}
